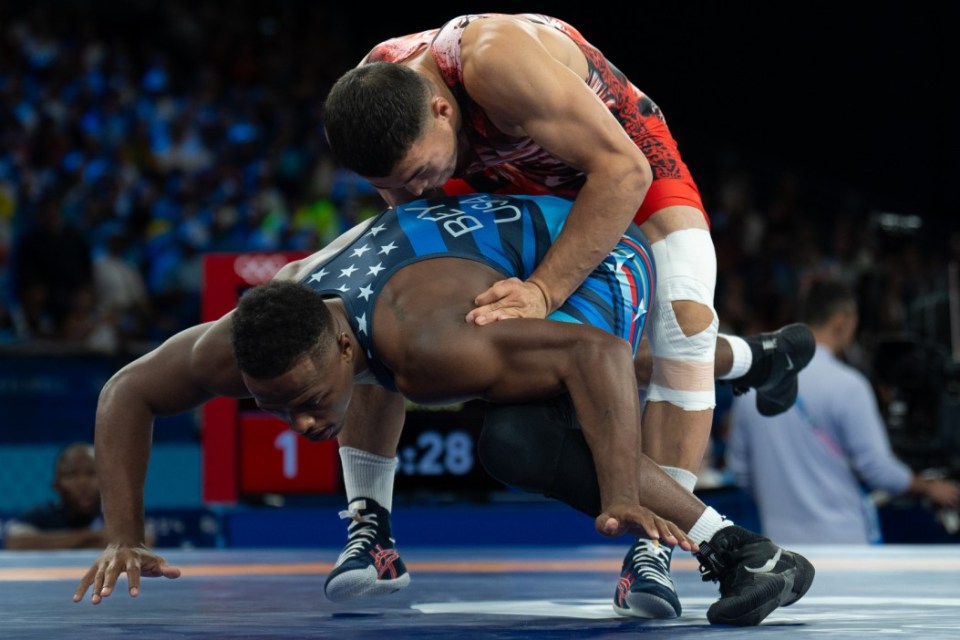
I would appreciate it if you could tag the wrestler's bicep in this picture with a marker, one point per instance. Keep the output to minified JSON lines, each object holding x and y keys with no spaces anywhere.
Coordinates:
{"x":524,"y":359}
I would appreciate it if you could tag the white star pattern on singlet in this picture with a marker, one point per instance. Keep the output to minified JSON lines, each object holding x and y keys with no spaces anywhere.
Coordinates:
{"x":641,"y":310}
{"x":366,"y":284}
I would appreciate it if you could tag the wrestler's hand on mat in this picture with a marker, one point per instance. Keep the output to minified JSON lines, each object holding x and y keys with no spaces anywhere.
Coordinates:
{"x":619,"y":519}
{"x":117,"y":559}
{"x":510,"y":298}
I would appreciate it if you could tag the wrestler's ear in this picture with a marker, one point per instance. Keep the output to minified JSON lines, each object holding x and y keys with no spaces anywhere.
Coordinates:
{"x":345,"y":346}
{"x":440,"y":107}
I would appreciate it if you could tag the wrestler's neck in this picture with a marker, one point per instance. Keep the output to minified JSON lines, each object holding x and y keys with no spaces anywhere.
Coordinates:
{"x":341,"y":322}
{"x":426,"y":66}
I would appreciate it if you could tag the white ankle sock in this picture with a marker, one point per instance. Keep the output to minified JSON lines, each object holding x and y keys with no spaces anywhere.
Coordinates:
{"x":367,"y":475}
{"x":742,"y":357}
{"x":706,"y":525}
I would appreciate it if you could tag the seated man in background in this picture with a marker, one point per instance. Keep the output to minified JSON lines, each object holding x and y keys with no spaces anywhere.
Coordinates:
{"x":808,"y":467}
{"x":73,"y":520}
{"x":383,"y":306}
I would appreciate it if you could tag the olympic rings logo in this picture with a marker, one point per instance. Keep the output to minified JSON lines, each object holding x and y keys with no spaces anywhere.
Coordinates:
{"x":258,"y":268}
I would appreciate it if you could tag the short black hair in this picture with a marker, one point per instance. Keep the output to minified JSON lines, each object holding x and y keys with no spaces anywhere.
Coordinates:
{"x":373,"y":115}
{"x":823,"y":299}
{"x":68,"y":450}
{"x":276,"y":324}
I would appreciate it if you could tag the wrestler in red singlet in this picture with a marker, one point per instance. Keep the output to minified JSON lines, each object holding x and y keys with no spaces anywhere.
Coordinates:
{"x":511,"y":164}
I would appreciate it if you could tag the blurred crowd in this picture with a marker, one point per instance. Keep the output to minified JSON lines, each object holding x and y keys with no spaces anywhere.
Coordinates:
{"x":136,"y":137}
{"x":130,"y":145}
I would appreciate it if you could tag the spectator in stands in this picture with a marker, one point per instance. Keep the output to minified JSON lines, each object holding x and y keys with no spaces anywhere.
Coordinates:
{"x":124,"y":304}
{"x":52,"y":270}
{"x":73,"y":520}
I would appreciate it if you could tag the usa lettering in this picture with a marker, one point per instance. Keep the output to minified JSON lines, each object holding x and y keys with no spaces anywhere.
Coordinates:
{"x":508,"y":212}
{"x":461,"y":225}
{"x":457,"y":222}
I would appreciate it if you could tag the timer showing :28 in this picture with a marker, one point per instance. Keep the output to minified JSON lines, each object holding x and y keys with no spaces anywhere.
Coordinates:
{"x":437,"y":454}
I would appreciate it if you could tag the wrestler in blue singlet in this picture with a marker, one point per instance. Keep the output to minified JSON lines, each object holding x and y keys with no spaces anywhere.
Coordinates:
{"x":511,"y":234}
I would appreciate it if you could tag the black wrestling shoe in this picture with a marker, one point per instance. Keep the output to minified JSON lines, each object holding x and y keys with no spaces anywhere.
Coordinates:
{"x":777,"y":359}
{"x":369,"y":565}
{"x":755,"y":576}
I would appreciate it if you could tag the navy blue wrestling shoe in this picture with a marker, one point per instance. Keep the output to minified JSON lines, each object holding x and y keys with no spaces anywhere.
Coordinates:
{"x":369,"y":565}
{"x":755,"y":576}
{"x":778,"y":357}
{"x":645,"y":588}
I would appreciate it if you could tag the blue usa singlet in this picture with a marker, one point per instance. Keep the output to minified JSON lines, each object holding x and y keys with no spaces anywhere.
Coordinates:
{"x":511,"y":234}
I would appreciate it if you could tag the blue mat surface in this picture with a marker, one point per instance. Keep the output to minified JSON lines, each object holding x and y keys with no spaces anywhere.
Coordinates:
{"x":470,"y":592}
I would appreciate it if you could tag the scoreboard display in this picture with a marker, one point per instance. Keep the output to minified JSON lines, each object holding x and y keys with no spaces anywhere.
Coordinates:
{"x":437,"y":452}
{"x":248,"y":453}
{"x":275,"y":460}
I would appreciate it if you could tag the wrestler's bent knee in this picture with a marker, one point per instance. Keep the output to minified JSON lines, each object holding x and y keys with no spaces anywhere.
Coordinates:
{"x":683,"y":364}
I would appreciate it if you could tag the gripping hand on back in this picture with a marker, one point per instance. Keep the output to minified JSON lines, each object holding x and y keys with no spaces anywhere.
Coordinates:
{"x":510,"y":298}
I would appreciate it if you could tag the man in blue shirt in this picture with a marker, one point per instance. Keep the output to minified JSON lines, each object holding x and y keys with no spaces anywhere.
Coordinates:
{"x":807,"y":468}
{"x":73,"y":520}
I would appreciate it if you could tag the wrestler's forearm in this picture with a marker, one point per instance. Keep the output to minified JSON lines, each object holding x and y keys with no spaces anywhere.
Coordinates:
{"x":124,"y":430}
{"x":605,"y":398}
{"x":187,"y":370}
{"x":597,"y":220}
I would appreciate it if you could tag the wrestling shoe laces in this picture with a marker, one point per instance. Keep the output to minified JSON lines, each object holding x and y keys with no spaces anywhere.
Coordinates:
{"x":645,"y":588}
{"x":361,"y":533}
{"x":369,"y":564}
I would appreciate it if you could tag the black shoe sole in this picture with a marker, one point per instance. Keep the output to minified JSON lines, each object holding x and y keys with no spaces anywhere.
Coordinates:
{"x":778,"y":590}
{"x":750,"y":609}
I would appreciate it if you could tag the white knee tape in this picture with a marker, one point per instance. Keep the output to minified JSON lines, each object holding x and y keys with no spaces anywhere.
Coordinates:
{"x":683,"y":365}
{"x":686,"y":266}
